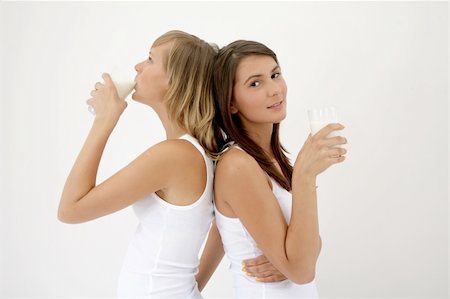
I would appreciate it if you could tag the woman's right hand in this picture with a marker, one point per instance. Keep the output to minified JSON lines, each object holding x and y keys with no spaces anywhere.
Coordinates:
{"x":319,"y":152}
{"x":105,"y":100}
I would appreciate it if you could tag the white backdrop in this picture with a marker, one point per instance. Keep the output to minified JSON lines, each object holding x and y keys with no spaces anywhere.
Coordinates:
{"x":383,"y":213}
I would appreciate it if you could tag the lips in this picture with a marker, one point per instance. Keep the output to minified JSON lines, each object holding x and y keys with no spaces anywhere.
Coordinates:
{"x":275,"y":105}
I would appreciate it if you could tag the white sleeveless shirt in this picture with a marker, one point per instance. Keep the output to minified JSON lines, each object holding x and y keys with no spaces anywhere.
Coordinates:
{"x":162,"y":258}
{"x":239,"y":245}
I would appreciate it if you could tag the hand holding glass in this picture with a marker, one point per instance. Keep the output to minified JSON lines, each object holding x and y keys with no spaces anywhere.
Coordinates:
{"x":124,"y":88}
{"x":320,"y":117}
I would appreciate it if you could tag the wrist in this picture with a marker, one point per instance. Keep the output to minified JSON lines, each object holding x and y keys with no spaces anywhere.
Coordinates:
{"x":101,"y":127}
{"x":105,"y":122}
{"x":304,"y":178}
{"x":304,"y":189}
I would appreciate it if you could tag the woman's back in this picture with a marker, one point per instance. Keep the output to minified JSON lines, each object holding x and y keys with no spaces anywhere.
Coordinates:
{"x":162,"y":258}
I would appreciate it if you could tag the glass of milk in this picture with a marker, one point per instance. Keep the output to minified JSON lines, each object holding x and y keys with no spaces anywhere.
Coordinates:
{"x":123,"y":85}
{"x":320,"y":117}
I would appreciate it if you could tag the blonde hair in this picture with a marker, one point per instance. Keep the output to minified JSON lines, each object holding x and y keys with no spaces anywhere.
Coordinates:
{"x":189,"y":100}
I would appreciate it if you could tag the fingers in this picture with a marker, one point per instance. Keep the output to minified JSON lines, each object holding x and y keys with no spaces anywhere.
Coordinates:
{"x":107,"y":78}
{"x":333,"y":141}
{"x":272,"y":278}
{"x":338,"y":159}
{"x":263,"y":271}
{"x":266,"y":276}
{"x":254,"y":261}
{"x":258,"y":268}
{"x":337,"y":152}
{"x":328,"y":129}
{"x":98,"y":85}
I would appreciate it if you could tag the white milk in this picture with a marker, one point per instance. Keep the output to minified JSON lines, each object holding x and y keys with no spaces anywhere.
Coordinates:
{"x":315,"y":127}
{"x":124,"y":88}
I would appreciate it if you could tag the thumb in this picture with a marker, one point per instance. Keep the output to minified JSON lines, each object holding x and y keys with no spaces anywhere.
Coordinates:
{"x":107,"y":78}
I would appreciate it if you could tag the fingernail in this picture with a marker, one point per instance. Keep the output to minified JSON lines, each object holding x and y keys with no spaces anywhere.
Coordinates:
{"x":244,"y":270}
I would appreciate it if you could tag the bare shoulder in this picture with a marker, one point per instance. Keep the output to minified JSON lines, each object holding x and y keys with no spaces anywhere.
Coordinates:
{"x":238,"y":168}
{"x":236,"y":162}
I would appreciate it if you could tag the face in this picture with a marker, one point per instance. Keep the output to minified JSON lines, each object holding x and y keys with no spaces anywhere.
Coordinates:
{"x":259,"y":93}
{"x":151,"y":80}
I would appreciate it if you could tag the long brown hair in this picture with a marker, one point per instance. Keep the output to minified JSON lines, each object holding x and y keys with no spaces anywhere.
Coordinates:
{"x":225,"y":67}
{"x":189,"y":65}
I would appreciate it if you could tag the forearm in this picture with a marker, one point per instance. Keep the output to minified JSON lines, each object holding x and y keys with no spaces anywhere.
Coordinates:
{"x":303,"y":242}
{"x":82,"y":177}
{"x":211,"y":257}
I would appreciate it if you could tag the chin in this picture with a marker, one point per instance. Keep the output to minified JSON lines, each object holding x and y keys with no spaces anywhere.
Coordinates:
{"x":135,"y":97}
{"x":281,"y":117}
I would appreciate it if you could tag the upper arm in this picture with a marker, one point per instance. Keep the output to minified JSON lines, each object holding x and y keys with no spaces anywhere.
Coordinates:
{"x":242,"y":184}
{"x":149,"y":172}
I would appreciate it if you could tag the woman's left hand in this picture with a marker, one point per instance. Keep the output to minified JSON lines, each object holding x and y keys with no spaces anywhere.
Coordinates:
{"x":105,"y":100}
{"x":260,"y":268}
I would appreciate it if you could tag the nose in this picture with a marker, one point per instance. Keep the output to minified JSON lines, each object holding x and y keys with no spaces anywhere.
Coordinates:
{"x":138,"y":67}
{"x":274,"y":89}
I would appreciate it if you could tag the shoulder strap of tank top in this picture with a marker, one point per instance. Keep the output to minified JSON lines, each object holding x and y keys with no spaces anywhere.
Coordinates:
{"x":194,"y":142}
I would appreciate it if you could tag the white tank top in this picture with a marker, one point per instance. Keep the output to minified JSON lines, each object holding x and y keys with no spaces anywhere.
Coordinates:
{"x":239,"y":245}
{"x":163,"y":256}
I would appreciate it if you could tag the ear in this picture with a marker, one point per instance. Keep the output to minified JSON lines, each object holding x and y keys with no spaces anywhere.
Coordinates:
{"x":233,"y":108}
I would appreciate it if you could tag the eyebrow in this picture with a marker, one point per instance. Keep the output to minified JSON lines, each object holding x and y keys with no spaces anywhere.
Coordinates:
{"x":260,"y":75}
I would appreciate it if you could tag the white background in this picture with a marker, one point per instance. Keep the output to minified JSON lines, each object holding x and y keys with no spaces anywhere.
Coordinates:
{"x":383,"y":213}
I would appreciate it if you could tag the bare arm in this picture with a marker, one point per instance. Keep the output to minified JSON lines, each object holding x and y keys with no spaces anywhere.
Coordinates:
{"x":258,"y":267}
{"x":261,"y":268}
{"x":211,"y":257}
{"x":293,"y":249}
{"x":82,"y":199}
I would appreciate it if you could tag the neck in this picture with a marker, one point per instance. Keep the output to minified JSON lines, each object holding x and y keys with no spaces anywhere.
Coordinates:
{"x":262,"y":135}
{"x":173,"y":130}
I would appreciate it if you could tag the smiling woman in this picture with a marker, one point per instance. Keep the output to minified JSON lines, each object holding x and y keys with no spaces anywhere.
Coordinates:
{"x":264,"y":205}
{"x":170,"y":184}
{"x":384,"y":64}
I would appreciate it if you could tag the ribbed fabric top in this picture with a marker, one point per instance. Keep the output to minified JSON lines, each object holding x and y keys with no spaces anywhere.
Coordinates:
{"x":239,"y":245}
{"x":168,"y":239}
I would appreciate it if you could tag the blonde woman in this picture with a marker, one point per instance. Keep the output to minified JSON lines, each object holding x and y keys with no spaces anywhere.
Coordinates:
{"x":170,"y":184}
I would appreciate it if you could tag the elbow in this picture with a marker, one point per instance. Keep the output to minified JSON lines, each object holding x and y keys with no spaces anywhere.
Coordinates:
{"x":304,"y":276}
{"x":63,"y":217}
{"x":66,"y":216}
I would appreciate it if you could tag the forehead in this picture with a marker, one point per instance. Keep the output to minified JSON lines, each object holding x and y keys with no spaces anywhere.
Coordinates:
{"x":160,"y":50}
{"x":254,"y":65}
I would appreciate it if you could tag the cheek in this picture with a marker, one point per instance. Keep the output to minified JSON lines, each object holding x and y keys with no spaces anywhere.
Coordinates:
{"x":284,"y":88}
{"x":247,"y":102}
